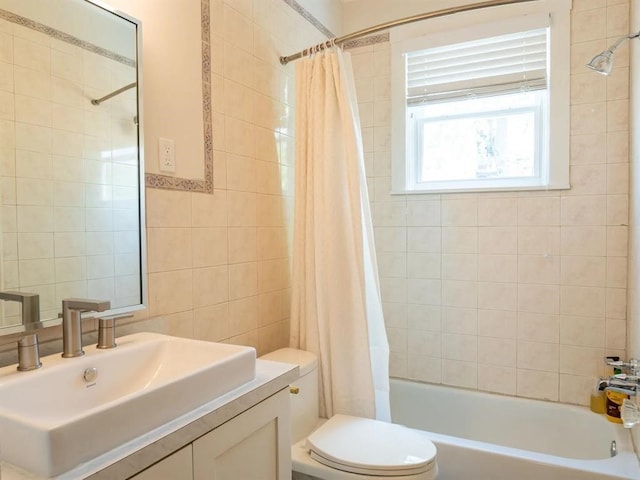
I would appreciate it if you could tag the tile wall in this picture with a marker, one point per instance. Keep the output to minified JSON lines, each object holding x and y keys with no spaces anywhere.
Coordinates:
{"x":514,"y":293}
{"x":219,"y":264}
{"x":68,"y":174}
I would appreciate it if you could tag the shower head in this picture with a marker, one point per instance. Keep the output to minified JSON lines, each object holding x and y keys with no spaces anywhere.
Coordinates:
{"x":603,"y":62}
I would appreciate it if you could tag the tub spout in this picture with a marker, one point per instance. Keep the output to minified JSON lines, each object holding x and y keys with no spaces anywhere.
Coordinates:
{"x":623,"y":383}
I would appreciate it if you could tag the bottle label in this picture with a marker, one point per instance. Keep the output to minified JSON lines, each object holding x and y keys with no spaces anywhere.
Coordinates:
{"x":613,"y":404}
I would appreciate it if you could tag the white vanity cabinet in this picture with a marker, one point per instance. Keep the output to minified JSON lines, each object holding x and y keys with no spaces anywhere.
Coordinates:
{"x":254,"y":445}
{"x":176,"y":466}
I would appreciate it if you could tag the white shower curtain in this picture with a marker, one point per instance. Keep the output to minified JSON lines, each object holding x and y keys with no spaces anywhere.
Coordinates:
{"x":336,"y":310}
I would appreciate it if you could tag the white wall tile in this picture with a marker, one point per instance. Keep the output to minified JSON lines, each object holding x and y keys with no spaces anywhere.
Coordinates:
{"x":538,"y":356}
{"x":586,"y":301}
{"x":424,"y":317}
{"x":462,"y":321}
{"x":497,"y":268}
{"x":424,"y":342}
{"x":425,"y":368}
{"x":455,"y":266}
{"x":588,"y":241}
{"x":538,"y":327}
{"x":497,"y":296}
{"x":583,"y":271}
{"x":497,"y":323}
{"x":498,"y":240}
{"x":497,"y":351}
{"x":460,"y":374}
{"x":540,"y":385}
{"x":538,"y":298}
{"x":497,"y":212}
{"x":582,"y":331}
{"x":497,"y":379}
{"x":538,"y":269}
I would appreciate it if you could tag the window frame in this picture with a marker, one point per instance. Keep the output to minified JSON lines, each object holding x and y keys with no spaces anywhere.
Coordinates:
{"x":478,"y":183}
{"x":470,"y":26}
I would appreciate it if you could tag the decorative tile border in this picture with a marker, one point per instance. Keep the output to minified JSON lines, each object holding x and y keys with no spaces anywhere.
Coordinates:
{"x":65,"y":37}
{"x":304,"y":13}
{"x":358,"y":42}
{"x":153,"y":180}
{"x":366,"y":41}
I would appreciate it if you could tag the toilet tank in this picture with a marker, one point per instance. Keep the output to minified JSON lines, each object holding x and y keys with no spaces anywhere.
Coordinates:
{"x":304,"y":404}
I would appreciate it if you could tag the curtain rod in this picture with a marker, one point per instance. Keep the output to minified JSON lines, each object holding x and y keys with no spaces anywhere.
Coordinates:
{"x":98,"y":101}
{"x":403,"y":21}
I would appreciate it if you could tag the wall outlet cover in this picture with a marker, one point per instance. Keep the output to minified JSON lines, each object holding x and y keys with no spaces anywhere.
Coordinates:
{"x":167,"y":155}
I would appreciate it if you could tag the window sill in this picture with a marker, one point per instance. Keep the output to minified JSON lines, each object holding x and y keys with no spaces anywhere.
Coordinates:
{"x":481,"y":190}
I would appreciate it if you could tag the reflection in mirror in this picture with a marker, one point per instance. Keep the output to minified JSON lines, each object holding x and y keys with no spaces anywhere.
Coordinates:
{"x":70,"y":168}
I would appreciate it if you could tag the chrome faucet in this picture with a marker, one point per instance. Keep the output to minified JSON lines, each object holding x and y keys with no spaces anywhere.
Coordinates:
{"x":632,"y":367}
{"x":30,"y":306}
{"x":626,"y":377}
{"x":625,"y":380}
{"x":621,"y":383}
{"x":72,"y":323}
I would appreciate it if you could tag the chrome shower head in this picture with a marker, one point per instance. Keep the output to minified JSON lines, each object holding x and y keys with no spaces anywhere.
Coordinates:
{"x":603,"y":62}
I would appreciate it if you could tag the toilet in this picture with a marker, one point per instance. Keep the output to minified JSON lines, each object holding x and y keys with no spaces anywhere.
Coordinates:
{"x":346,"y":447}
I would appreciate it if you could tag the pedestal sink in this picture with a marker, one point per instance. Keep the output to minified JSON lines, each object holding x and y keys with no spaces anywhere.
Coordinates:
{"x":74,"y":409}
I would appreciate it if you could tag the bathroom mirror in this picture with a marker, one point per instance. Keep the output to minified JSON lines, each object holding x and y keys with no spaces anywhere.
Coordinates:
{"x":71,"y":169}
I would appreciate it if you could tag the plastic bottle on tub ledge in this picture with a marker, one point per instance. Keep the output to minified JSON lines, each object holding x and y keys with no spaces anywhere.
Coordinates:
{"x":613,"y":405}
{"x":619,"y":386}
{"x":597,"y":402}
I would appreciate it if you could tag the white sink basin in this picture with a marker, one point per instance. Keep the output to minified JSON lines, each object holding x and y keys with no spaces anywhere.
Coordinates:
{"x":52,"y":420}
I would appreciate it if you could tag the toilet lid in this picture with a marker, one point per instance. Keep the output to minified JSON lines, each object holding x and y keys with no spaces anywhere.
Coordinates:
{"x":365,"y":446}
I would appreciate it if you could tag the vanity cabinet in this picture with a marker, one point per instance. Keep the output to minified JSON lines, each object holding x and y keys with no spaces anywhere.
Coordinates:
{"x":254,"y":445}
{"x":176,"y":466}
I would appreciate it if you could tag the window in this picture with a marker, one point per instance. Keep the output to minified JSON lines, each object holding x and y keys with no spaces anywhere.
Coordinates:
{"x":484,"y":108}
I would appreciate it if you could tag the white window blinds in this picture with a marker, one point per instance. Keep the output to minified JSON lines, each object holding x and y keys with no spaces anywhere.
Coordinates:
{"x":488,"y":66}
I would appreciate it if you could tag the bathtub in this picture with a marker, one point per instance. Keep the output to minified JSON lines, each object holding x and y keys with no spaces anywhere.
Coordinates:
{"x":481,"y":436}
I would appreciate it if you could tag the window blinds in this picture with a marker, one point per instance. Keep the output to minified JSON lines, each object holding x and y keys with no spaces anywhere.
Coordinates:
{"x":489,"y":66}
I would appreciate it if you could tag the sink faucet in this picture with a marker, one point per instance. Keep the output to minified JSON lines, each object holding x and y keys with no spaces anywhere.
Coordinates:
{"x":72,"y":323}
{"x":30,"y":306}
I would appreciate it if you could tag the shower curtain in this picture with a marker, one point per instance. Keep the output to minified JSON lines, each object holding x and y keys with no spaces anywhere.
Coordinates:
{"x":336,"y":310}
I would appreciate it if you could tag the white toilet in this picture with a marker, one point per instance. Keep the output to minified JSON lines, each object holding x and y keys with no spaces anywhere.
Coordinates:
{"x":346,"y":447}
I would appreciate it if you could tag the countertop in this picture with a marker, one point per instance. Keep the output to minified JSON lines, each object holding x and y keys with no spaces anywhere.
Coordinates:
{"x":142,"y":452}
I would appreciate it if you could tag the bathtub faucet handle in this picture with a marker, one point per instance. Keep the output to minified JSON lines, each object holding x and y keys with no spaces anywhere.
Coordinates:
{"x":632,"y":367}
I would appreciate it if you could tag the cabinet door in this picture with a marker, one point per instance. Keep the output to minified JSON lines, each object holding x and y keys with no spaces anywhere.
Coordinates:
{"x":255,"y":445}
{"x":177,"y":466}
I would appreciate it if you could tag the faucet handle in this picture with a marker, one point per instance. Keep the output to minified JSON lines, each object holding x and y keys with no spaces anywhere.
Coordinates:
{"x":107,"y":331}
{"x":632,"y":366}
{"x":28,"y":353}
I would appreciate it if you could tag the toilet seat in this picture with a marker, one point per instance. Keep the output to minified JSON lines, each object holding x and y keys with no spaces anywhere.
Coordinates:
{"x":371,"y":447}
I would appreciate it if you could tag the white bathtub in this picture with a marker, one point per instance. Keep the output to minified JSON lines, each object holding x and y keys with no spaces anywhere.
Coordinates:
{"x":482,"y":436}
